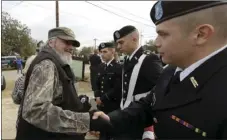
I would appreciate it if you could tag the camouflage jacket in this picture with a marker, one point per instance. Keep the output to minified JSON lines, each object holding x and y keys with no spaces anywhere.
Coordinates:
{"x":43,"y":91}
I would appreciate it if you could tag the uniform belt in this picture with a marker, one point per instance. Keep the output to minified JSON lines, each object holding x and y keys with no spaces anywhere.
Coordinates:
{"x":137,"y":97}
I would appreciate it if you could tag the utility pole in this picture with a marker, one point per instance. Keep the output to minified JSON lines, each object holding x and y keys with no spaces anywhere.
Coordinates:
{"x":141,"y":37}
{"x":57,"y":14}
{"x":95,"y":42}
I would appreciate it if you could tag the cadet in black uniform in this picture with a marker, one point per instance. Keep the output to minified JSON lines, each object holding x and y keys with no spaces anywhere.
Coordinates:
{"x":141,"y":71}
{"x":108,"y":82}
{"x":190,"y":98}
{"x":95,"y":61}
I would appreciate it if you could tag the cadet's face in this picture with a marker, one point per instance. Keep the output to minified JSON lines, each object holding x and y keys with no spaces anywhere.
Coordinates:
{"x":106,"y":54}
{"x":172,"y":43}
{"x":124,"y":45}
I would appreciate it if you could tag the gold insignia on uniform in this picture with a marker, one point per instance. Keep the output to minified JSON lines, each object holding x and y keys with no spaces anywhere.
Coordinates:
{"x":194,"y":82}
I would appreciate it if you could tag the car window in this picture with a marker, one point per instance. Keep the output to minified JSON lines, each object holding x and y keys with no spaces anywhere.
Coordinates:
{"x":11,"y":59}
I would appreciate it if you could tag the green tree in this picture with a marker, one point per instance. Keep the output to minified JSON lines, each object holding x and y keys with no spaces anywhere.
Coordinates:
{"x":75,"y":52}
{"x":85,"y":51}
{"x":150,"y":46}
{"x":16,"y":37}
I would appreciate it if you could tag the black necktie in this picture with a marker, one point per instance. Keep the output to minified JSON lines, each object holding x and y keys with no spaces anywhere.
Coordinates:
{"x":126,"y":60}
{"x":176,"y":78}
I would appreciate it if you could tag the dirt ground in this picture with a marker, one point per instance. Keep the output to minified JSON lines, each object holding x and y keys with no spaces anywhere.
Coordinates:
{"x":9,"y":109}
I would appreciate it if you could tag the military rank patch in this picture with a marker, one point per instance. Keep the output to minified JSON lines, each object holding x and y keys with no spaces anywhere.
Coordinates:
{"x":186,"y":124}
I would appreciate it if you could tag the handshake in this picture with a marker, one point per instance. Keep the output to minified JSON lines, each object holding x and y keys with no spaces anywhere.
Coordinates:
{"x":100,"y":122}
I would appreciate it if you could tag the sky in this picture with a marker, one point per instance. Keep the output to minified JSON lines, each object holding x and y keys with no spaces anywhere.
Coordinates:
{"x":86,"y":18}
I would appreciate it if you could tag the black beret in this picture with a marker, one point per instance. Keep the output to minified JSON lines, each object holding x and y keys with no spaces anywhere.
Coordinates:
{"x":123,"y":32}
{"x":105,"y":45}
{"x":165,"y":10}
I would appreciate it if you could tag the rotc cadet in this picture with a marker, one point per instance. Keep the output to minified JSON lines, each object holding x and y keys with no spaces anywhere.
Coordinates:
{"x":95,"y":61}
{"x":190,"y":100}
{"x":108,"y":93}
{"x":141,"y":70}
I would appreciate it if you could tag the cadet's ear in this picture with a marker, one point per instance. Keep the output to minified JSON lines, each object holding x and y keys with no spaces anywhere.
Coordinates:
{"x":203,"y":33}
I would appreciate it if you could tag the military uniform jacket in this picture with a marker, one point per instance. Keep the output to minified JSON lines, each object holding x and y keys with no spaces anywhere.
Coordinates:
{"x":109,"y":86}
{"x":148,"y":75}
{"x":194,"y":109}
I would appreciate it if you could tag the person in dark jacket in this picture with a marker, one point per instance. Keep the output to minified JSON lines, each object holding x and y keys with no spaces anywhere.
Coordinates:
{"x":140,"y":72}
{"x":108,"y":93}
{"x":95,"y":61}
{"x":189,"y":100}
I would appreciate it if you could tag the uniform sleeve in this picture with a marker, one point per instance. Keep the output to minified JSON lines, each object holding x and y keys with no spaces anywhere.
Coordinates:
{"x":38,"y":109}
{"x":138,"y":113}
{"x":115,"y":92}
{"x":18,"y":90}
{"x":152,"y":69}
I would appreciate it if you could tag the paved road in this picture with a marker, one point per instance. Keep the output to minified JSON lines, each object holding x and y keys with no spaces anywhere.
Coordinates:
{"x":11,"y":75}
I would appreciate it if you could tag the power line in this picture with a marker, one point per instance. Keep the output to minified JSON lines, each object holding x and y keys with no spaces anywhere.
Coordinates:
{"x":118,"y":14}
{"x":125,"y":11}
{"x":15,"y":5}
{"x":61,"y":11}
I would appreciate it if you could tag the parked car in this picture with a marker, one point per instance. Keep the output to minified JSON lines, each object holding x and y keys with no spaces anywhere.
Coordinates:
{"x":4,"y":62}
{"x":3,"y":82}
{"x":9,"y":61}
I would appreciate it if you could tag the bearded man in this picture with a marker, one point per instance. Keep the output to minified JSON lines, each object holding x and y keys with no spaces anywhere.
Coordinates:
{"x":51,"y":108}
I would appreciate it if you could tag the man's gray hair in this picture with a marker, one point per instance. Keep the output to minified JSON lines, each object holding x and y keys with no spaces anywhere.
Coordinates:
{"x":47,"y":42}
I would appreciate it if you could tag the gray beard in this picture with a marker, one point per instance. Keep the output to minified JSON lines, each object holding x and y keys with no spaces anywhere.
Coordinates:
{"x":64,"y":57}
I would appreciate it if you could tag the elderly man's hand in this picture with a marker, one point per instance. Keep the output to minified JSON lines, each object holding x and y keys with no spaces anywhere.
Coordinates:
{"x":100,"y":114}
{"x":94,"y":133}
{"x":99,"y":121}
